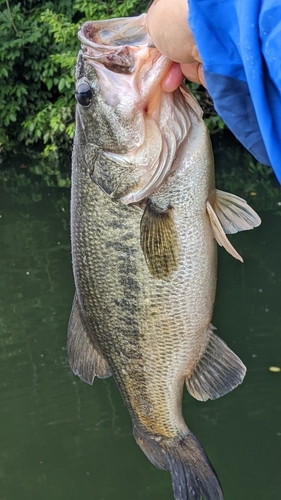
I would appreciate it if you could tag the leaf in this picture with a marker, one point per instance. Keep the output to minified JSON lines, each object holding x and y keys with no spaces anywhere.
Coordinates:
{"x":61,"y":84}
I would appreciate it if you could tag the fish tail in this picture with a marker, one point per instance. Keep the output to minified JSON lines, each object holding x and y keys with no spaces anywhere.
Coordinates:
{"x":192,"y":474}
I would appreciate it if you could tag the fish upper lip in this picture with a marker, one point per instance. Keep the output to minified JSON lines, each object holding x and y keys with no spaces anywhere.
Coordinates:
{"x":119,"y":56}
{"x":85,"y":41}
{"x":139,"y":37}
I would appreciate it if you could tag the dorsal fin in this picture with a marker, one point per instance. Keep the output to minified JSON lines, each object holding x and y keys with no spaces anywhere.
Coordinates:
{"x":85,"y":359}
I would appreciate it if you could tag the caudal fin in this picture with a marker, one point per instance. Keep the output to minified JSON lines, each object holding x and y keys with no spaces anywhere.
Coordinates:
{"x":193,"y":476}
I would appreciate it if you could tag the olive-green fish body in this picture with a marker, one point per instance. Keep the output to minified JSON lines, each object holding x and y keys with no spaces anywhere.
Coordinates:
{"x":145,"y":217}
{"x":144,"y":325}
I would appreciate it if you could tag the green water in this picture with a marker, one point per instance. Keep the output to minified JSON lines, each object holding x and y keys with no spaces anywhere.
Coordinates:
{"x":61,"y":439}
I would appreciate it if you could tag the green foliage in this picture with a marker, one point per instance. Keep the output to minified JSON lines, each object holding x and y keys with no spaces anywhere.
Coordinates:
{"x":39,"y":46}
{"x":111,"y":9}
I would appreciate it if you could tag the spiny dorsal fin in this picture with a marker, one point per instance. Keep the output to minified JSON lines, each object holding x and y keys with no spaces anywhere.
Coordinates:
{"x":217,"y":372}
{"x":219,"y":233}
{"x":234,"y":213}
{"x":159,"y":241}
{"x":84,"y":358}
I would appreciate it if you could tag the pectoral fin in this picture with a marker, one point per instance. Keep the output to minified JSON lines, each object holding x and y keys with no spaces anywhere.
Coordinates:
{"x":85,"y":359}
{"x":217,"y":372}
{"x":159,"y":241}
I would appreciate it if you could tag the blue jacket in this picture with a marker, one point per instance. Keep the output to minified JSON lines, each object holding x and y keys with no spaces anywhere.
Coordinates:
{"x":240,"y":45}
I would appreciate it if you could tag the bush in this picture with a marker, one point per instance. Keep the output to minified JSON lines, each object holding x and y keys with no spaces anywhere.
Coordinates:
{"x":39,"y":46}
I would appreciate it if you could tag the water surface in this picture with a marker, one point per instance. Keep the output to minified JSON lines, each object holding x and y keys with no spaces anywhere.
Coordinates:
{"x":62,"y":439}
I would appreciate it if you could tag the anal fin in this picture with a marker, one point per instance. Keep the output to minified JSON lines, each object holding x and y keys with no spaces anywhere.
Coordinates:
{"x":84,"y":357}
{"x":217,"y":372}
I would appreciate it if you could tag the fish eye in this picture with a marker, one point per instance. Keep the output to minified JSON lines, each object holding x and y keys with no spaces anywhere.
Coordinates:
{"x":84,"y":94}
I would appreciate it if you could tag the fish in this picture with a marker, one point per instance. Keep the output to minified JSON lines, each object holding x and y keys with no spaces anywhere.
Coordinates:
{"x":145,"y":222}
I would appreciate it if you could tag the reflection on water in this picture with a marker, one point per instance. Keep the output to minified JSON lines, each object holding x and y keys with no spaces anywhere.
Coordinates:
{"x":62,"y":439}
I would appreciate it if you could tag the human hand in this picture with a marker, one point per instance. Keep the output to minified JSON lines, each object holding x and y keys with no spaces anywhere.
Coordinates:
{"x":169,"y":30}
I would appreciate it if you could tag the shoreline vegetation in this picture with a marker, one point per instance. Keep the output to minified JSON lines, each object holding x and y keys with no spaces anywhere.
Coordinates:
{"x":39,"y":47}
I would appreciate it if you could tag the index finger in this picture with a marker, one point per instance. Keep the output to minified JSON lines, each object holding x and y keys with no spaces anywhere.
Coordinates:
{"x":194,"y":72}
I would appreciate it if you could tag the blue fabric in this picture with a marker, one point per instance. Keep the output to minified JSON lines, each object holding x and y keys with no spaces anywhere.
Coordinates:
{"x":240,"y":45}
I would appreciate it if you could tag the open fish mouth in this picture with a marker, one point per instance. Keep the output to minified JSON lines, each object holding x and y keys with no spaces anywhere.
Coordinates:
{"x":124,"y":46}
{"x":110,"y":42}
{"x":130,"y":70}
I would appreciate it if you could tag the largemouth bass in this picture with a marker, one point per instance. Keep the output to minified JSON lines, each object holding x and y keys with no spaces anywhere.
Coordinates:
{"x":145,"y":218}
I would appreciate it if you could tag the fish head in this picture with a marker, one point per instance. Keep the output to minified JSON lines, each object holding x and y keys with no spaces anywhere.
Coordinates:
{"x":128,"y":127}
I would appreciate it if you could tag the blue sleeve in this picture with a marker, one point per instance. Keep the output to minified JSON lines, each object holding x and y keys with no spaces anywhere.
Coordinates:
{"x":240,"y":45}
